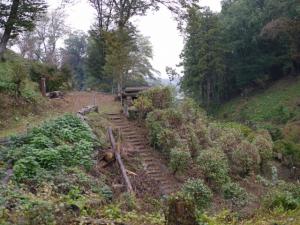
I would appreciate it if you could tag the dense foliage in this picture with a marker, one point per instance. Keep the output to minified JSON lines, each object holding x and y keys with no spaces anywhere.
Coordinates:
{"x":225,"y":155}
{"x":246,"y":45}
{"x":50,"y":167}
{"x":64,"y":142}
{"x":16,"y":17}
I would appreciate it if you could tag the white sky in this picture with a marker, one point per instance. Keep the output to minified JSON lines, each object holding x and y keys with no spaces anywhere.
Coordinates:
{"x":158,"y":26}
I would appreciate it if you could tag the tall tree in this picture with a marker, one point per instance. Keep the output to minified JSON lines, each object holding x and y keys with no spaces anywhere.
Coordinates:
{"x":203,"y":58}
{"x":128,"y":55}
{"x":17,"y":16}
{"x":247,"y":45}
{"x":95,"y":62}
{"x":74,"y":56}
{"x":49,"y":30}
{"x":113,"y":22}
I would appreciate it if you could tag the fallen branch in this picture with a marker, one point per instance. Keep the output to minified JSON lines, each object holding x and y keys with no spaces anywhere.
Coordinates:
{"x":88,"y":109}
{"x":119,"y":160}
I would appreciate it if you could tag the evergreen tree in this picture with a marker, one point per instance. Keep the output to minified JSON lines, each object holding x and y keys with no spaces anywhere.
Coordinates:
{"x":17,"y":16}
{"x":203,"y":58}
{"x":74,"y":56}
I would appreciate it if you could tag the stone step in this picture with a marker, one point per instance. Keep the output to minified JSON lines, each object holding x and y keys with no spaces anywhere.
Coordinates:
{"x":115,"y":118}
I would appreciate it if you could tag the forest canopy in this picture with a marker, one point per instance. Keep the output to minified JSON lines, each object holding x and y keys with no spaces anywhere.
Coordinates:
{"x":246,"y":45}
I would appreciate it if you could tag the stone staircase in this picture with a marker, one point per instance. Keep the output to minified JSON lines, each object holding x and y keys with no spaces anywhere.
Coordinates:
{"x":153,"y":162}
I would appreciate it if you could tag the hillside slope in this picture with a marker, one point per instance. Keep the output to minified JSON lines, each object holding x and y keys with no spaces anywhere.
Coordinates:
{"x":20,"y":97}
{"x":276,"y":109}
{"x":275,"y":105}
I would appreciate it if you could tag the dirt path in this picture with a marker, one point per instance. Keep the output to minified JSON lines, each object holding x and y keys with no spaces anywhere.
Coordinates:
{"x":17,"y":121}
{"x":152,"y":161}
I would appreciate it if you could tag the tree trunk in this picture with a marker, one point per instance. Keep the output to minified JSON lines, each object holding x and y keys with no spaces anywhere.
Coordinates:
{"x":8,"y":27}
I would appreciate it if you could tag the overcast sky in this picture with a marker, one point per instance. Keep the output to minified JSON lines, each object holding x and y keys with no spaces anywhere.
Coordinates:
{"x":158,"y":26}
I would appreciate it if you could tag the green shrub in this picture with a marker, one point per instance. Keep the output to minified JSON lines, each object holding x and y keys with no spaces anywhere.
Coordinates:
{"x":193,"y":142}
{"x":106,"y":192}
{"x":238,"y":127}
{"x":275,"y":132}
{"x":264,"y":146}
{"x":201,"y":132}
{"x":214,"y":131}
{"x":15,"y":80}
{"x":39,"y":213}
{"x":172,"y":118}
{"x":292,"y":132}
{"x":154,"y":130}
{"x":167,"y":139}
{"x":190,"y":110}
{"x":235,"y":193}
{"x":245,"y":159}
{"x":160,"y":124}
{"x":285,"y":195}
{"x":57,"y":79}
{"x":160,"y":97}
{"x":213,"y":162}
{"x":26,"y":168}
{"x":198,"y":192}
{"x":49,"y":159}
{"x":143,"y":106}
{"x":179,"y":160}
{"x":289,"y":149}
{"x":229,"y":141}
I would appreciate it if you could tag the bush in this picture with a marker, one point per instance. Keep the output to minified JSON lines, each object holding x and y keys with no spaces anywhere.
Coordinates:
{"x":39,"y":213}
{"x":238,"y":127}
{"x":172,"y":118}
{"x":229,"y":141}
{"x":214,"y":131}
{"x":289,"y":149}
{"x":245,"y":159}
{"x":160,"y":124}
{"x":160,"y":97}
{"x":213,"y":162}
{"x":26,"y":168}
{"x":191,"y":110}
{"x":235,"y":193}
{"x":285,"y":195}
{"x":49,"y":159}
{"x":292,"y":132}
{"x":200,"y":129}
{"x":15,"y":81}
{"x":56,"y":79}
{"x":198,"y":192}
{"x":143,"y":106}
{"x":167,"y":139}
{"x":274,"y":131}
{"x":264,"y":146}
{"x":179,"y":160}
{"x":193,"y":142}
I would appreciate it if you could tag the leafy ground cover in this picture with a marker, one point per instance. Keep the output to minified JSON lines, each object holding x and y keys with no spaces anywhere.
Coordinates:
{"x":51,"y":179}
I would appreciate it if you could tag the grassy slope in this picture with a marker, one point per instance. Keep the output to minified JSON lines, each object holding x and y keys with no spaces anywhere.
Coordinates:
{"x":268,"y":106}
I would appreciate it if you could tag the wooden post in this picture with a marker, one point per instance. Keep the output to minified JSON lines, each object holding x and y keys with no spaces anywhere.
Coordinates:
{"x":119,"y":160}
{"x":43,"y":86}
